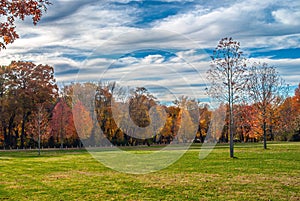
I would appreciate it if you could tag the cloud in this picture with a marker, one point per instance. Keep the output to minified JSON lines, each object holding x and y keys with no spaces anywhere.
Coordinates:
{"x":101,"y":24}
{"x":287,"y":17}
{"x":92,"y":36}
{"x":247,"y":21}
{"x":153,"y":59}
{"x":152,"y":71}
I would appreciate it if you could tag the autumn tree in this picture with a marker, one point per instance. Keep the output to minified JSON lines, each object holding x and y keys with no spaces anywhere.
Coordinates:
{"x":247,"y":123}
{"x":29,"y":85}
{"x":85,"y":113}
{"x":172,"y":124}
{"x":38,"y":124}
{"x":3,"y":104}
{"x":204,"y":122}
{"x":103,"y":106}
{"x":189,"y":116}
{"x":84,"y":128}
{"x":296,"y":106}
{"x":62,"y":126}
{"x":297,"y":98}
{"x":284,"y":128}
{"x":288,"y":125}
{"x":267,"y":91}
{"x":10,"y":10}
{"x":227,"y":75}
{"x":139,"y":105}
{"x":136,"y":114}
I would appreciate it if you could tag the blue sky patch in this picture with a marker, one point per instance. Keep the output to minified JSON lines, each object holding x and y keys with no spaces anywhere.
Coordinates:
{"x":150,"y":11}
{"x":293,"y":53}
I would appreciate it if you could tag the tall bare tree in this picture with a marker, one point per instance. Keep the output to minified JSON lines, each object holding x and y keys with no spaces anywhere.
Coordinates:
{"x":267,"y":91}
{"x":227,"y":75}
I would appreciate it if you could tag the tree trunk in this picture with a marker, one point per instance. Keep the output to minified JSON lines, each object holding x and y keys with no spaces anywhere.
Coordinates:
{"x":231,"y":133}
{"x":15,"y":143}
{"x":200,"y":134}
{"x":265,"y":134}
{"x":61,"y":128}
{"x":5,"y":137}
{"x":10,"y":128}
{"x":271,"y":133}
{"x":242,"y":134}
{"x":39,"y":130}
{"x":23,"y":130}
{"x":22,"y":134}
{"x":264,"y":125}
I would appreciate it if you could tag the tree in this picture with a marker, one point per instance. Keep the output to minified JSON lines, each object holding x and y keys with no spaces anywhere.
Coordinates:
{"x":287,"y":116}
{"x":29,"y":85}
{"x":189,"y":116}
{"x":227,"y":74}
{"x":172,"y":124}
{"x":204,"y":122}
{"x":62,"y":124}
{"x":267,"y":91}
{"x":4,"y":106}
{"x":138,"y":116}
{"x":139,"y":105}
{"x":82,"y":115}
{"x":38,"y":124}
{"x":10,"y":10}
{"x":84,"y":94}
{"x":288,"y":125}
{"x":247,"y":123}
{"x":103,"y":107}
{"x":296,"y":106}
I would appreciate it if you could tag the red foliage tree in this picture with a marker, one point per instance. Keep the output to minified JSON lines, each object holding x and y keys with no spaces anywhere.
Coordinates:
{"x":62,"y":124}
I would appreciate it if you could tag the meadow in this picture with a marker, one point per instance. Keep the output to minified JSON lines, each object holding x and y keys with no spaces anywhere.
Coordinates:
{"x":256,"y":174}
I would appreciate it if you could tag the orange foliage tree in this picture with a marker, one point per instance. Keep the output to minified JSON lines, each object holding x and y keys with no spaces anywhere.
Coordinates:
{"x":10,"y":10}
{"x":84,"y":128}
{"x":247,"y":123}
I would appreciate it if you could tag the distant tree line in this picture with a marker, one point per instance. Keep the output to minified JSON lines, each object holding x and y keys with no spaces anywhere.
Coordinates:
{"x":31,"y":105}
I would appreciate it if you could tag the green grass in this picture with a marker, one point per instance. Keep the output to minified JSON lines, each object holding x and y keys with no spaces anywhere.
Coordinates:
{"x":255,"y":174}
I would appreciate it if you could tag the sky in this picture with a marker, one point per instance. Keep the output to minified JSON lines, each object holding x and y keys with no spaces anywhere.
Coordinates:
{"x":164,"y":45}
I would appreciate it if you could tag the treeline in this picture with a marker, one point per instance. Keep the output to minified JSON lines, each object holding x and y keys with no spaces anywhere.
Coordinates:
{"x":97,"y":114}
{"x":31,"y":105}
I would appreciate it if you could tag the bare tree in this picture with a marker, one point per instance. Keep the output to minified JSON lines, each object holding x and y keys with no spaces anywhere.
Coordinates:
{"x":267,"y":91}
{"x":227,"y":76}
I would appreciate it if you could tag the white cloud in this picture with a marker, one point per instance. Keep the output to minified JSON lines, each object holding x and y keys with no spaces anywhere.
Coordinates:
{"x":246,"y":21}
{"x":98,"y":30}
{"x":288,"y":17}
{"x":156,"y":59}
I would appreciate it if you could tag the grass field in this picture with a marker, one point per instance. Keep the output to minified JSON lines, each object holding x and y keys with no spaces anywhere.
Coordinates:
{"x":255,"y":174}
